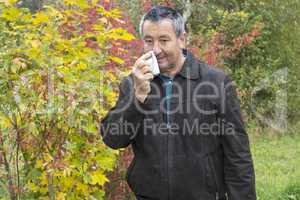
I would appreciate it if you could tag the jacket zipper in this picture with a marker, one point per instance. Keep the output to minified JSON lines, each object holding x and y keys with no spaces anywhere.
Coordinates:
{"x":165,"y":120}
{"x":168,"y":135}
{"x":214,"y":177}
{"x":168,"y":151}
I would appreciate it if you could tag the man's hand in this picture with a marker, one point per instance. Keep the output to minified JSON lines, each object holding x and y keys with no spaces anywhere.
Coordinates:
{"x":141,"y":77}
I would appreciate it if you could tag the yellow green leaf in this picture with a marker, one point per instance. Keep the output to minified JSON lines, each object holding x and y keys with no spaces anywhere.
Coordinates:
{"x":60,"y":196}
{"x":40,"y":18}
{"x":5,"y":122}
{"x":81,"y":66}
{"x":81,"y":187}
{"x":70,"y":2}
{"x":35,"y":43}
{"x":32,"y":187}
{"x":120,"y":33}
{"x":98,"y":178}
{"x":116,"y":59}
{"x":83,"y":4}
{"x":11,"y":14}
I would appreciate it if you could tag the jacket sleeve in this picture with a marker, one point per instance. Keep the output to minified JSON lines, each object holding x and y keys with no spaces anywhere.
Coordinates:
{"x":119,"y":127}
{"x":238,"y":165}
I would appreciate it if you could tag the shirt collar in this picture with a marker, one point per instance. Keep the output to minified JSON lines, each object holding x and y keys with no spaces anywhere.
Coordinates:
{"x":165,"y":78}
{"x":190,"y":68}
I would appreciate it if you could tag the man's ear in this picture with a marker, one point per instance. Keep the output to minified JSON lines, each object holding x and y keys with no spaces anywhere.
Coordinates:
{"x":182,"y":40}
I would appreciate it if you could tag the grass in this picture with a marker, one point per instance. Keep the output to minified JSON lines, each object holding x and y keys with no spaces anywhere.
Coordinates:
{"x":277,"y":166}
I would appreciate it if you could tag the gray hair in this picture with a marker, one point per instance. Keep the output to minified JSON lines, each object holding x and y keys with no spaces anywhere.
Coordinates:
{"x":159,"y":13}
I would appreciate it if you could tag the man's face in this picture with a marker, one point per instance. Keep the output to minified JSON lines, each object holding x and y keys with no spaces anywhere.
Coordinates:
{"x":161,"y":38}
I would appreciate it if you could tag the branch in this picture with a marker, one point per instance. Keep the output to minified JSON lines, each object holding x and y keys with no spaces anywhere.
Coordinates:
{"x":12,"y":193}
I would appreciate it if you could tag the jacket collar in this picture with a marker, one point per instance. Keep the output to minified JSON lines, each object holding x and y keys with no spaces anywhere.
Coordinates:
{"x":190,"y":68}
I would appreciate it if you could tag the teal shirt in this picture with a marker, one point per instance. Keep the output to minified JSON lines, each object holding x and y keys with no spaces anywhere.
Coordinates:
{"x":167,"y":86}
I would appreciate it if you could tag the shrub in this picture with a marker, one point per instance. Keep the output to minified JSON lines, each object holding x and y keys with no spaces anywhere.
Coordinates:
{"x":56,"y":85}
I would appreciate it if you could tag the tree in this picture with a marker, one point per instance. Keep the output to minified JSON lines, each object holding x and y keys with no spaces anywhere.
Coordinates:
{"x":55,"y":87}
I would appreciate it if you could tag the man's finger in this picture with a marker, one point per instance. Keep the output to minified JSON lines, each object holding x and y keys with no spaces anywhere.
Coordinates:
{"x":148,"y":76}
{"x":146,"y":56}
{"x":140,"y":62}
{"x":145,"y":69}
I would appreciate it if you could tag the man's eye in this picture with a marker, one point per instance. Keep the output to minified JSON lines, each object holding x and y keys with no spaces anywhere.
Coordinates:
{"x":164,"y":41}
{"x":148,"y":41}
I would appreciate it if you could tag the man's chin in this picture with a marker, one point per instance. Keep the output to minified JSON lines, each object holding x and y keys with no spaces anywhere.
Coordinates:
{"x":163,"y":66}
{"x":162,"y":69}
{"x":165,"y":70}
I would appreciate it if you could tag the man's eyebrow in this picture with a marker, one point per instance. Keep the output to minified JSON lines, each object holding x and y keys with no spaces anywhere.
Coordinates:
{"x":147,"y":37}
{"x":150,"y":37}
{"x":164,"y":36}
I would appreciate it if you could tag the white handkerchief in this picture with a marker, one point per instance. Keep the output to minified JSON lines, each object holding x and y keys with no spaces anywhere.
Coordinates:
{"x":153,"y":64}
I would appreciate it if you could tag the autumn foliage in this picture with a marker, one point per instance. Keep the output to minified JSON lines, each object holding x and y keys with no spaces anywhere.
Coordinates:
{"x":56,"y":85}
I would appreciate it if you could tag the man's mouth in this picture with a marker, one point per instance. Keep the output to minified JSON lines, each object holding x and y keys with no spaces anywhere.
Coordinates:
{"x":160,"y":59}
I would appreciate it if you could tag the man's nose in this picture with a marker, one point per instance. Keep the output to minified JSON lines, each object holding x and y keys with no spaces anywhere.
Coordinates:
{"x":156,"y":48}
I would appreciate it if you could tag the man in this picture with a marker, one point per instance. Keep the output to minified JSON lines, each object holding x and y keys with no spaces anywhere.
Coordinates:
{"x":184,"y":125}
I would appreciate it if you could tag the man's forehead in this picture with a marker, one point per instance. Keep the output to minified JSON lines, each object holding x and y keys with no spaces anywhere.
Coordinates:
{"x":163,"y":28}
